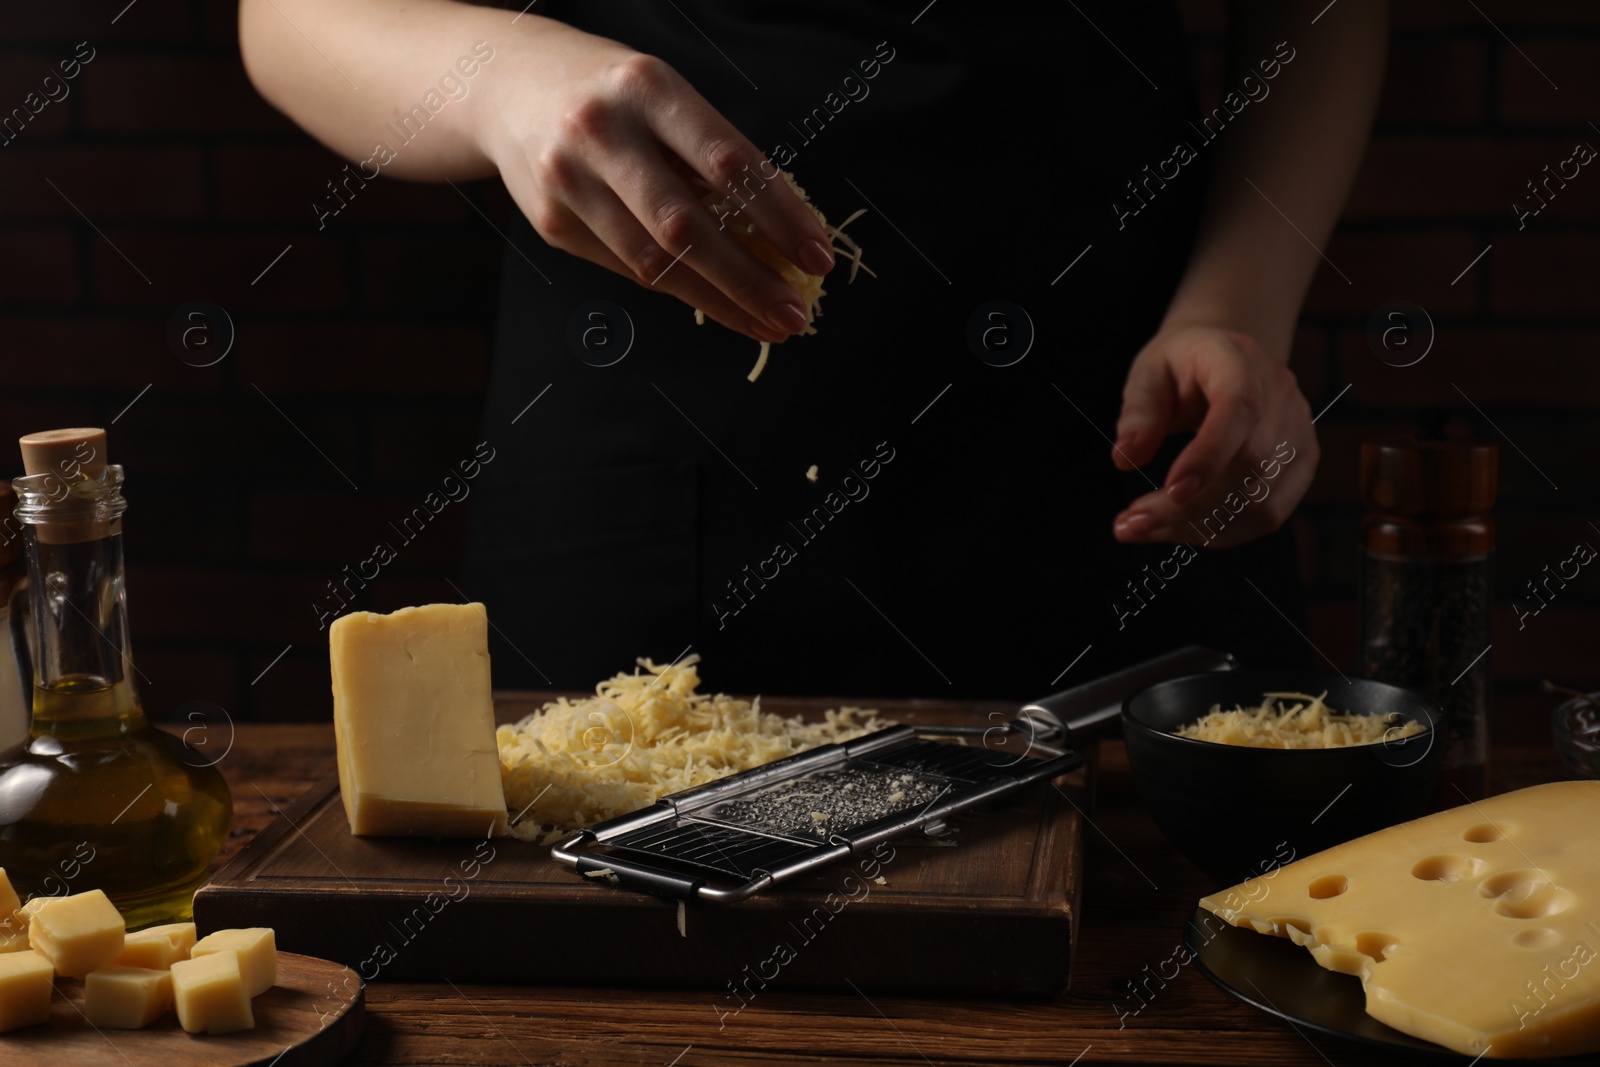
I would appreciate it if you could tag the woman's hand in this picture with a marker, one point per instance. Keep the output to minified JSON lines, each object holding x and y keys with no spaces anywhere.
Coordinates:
{"x":599,"y":144}
{"x":1254,"y":451}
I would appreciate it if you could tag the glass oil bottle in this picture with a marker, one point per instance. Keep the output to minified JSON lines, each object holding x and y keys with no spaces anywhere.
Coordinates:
{"x":98,"y":798}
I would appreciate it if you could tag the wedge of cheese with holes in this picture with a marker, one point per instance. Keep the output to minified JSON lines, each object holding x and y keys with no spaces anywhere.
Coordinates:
{"x":1477,"y":928}
{"x":414,"y":722}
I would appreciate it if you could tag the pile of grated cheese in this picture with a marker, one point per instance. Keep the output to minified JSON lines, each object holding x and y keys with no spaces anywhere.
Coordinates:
{"x":641,"y":736}
{"x":809,"y":286}
{"x":1295,"y":720}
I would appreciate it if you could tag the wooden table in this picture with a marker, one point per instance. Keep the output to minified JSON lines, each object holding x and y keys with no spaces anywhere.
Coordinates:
{"x":1138,"y":893}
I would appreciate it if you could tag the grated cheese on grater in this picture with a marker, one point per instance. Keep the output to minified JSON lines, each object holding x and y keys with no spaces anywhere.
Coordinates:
{"x":809,"y":286}
{"x":641,"y":736}
{"x":1305,"y":723}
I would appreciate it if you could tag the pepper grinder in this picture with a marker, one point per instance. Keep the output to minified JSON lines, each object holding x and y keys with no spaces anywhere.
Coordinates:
{"x":1426,"y":589}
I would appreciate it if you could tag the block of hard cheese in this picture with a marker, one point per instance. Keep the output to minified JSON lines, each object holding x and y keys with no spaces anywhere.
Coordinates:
{"x":414,"y":722}
{"x":1477,"y":928}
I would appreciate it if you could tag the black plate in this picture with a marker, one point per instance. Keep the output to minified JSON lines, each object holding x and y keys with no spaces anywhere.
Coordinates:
{"x":1283,"y":979}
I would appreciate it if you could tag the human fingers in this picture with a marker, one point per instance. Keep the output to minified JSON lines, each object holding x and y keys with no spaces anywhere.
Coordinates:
{"x":596,"y":225}
{"x":730,"y":164}
{"x":1149,"y":401}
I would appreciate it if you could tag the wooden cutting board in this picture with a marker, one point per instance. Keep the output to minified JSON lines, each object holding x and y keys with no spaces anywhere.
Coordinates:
{"x":994,"y":915}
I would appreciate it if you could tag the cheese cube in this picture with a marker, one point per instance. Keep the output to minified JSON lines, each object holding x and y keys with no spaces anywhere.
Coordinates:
{"x":24,"y":915}
{"x":9,"y":901}
{"x":414,"y":722}
{"x":13,"y":930}
{"x":258,"y":954}
{"x":210,"y":994}
{"x":157,"y":947}
{"x":77,"y":933}
{"x":1472,"y":928}
{"x":126,"y":998}
{"x":25,"y":988}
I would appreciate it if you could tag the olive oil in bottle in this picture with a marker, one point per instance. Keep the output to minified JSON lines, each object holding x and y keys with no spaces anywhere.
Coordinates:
{"x":98,"y":798}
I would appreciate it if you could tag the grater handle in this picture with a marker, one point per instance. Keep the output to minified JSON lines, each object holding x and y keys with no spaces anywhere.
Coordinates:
{"x":1085,"y":710}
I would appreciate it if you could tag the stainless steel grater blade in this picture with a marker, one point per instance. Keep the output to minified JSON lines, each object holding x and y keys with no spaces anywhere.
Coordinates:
{"x":729,"y":839}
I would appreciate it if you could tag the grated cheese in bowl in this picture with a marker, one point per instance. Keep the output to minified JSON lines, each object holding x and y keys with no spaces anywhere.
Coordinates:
{"x":641,"y":736}
{"x":809,"y":286}
{"x":1295,"y":721}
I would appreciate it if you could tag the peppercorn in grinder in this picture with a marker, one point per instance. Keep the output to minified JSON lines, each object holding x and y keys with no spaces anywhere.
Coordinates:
{"x":1427,"y":553}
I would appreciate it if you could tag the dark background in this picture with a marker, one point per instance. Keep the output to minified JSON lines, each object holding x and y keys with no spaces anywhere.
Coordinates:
{"x":371,"y":338}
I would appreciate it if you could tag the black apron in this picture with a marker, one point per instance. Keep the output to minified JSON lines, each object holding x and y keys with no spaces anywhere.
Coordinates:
{"x":957,"y":539}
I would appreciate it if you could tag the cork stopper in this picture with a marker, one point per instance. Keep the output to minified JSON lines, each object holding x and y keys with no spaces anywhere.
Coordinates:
{"x":71,"y":454}
{"x":63,"y":460}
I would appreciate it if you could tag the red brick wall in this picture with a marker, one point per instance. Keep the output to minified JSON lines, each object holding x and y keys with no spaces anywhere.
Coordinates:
{"x":371,"y":337}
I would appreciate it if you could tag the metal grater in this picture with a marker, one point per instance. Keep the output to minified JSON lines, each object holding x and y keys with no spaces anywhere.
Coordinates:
{"x":732,"y":838}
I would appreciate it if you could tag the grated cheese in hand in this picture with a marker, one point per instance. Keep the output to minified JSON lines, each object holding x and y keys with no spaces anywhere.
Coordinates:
{"x":641,"y":736}
{"x":809,"y":286}
{"x":1295,"y":720}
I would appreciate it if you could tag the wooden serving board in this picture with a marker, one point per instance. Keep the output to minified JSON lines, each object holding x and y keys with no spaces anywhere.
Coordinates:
{"x":313,"y":1017}
{"x":995,"y":915}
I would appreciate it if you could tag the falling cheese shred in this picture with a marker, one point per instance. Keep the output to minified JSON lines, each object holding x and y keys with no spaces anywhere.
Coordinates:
{"x":1295,"y":720}
{"x":641,"y":736}
{"x":761,"y":361}
{"x":809,"y":286}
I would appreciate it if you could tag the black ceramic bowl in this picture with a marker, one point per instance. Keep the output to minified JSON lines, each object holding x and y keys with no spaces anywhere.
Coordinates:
{"x":1236,"y":811}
